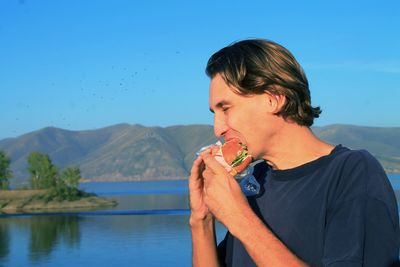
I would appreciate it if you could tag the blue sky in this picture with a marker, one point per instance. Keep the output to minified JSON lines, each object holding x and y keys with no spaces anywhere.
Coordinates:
{"x":89,"y":64}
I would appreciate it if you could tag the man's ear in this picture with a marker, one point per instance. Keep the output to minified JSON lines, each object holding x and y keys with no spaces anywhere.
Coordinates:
{"x":276,"y":102}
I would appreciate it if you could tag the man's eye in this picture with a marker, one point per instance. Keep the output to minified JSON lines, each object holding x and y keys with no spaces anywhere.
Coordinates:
{"x":224,"y":109}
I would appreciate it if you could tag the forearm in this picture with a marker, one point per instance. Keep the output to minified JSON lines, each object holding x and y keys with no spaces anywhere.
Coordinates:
{"x":262,"y":245}
{"x":204,"y":247}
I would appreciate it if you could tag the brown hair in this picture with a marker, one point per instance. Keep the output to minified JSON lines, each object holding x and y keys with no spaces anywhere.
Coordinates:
{"x":256,"y":66}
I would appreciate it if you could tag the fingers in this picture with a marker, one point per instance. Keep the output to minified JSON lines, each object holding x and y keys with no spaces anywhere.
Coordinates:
{"x":212,"y":164}
{"x":195,"y":178}
{"x":233,"y":172}
{"x":197,"y":167}
{"x":215,"y":150}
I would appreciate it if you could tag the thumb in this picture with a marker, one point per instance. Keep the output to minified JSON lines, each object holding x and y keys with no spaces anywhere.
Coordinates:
{"x":212,"y":164}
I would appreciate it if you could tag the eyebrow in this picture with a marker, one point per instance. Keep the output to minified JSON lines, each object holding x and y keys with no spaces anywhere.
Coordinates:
{"x":219,"y":105}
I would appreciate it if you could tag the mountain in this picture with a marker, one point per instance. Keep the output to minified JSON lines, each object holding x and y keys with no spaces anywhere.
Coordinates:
{"x":383,"y":143}
{"x":136,"y":152}
{"x":119,"y":152}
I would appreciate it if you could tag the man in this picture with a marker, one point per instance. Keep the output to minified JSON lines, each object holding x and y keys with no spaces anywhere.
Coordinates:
{"x":320,"y":205}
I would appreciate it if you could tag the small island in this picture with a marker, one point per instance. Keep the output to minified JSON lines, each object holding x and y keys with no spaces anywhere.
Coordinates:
{"x":42,"y":200}
{"x":50,"y":190}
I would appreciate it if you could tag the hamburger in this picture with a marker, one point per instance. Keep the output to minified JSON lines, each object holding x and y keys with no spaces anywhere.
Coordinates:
{"x":233,"y":156}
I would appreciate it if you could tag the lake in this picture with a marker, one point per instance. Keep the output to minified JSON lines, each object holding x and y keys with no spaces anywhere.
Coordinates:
{"x":149,"y":227}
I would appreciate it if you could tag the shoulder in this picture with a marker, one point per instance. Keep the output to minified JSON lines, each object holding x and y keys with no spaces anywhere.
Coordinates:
{"x":356,"y":164}
{"x":360,"y":164}
{"x":355,"y":173}
{"x":359,"y":174}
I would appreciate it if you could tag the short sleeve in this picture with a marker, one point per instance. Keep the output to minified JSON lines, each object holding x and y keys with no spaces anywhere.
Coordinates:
{"x":344,"y":234}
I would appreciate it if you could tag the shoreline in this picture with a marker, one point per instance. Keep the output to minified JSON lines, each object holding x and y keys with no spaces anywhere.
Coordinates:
{"x":169,"y":179}
{"x":28,"y":201}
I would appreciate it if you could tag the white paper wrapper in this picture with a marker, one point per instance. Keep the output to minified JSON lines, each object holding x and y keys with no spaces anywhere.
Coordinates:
{"x":218,"y":143}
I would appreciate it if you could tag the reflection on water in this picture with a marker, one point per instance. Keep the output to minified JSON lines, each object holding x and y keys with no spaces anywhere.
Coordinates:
{"x":97,"y":241}
{"x":47,"y":232}
{"x":101,"y":240}
{"x":4,"y":240}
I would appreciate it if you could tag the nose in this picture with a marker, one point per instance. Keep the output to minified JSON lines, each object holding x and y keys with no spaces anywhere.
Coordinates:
{"x":220,"y":126}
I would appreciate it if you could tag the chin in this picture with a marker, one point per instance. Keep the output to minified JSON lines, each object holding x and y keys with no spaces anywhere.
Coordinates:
{"x":256,"y":154}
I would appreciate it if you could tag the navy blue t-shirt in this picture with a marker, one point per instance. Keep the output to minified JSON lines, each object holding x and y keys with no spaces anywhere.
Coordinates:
{"x":339,"y":210}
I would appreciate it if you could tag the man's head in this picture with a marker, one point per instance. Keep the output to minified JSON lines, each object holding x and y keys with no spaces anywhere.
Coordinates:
{"x":259,"y":66}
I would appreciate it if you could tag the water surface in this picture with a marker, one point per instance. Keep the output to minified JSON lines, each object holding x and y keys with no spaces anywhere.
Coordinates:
{"x":120,"y":236}
{"x":159,"y":238}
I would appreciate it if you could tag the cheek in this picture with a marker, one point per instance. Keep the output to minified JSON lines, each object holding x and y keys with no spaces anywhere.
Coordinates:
{"x":236,"y":121}
{"x":252,"y":129}
{"x":242,"y":125}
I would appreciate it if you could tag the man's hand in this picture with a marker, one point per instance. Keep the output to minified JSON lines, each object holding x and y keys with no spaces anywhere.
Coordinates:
{"x":222,"y":194}
{"x":198,"y":208}
{"x":201,"y":220}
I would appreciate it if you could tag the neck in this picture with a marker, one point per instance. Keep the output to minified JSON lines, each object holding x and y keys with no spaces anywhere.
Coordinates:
{"x":293,"y":146}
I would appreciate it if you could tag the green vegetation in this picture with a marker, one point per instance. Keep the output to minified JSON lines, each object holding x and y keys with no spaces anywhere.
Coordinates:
{"x":61,"y":194}
{"x":45,"y":175}
{"x":5,"y":171}
{"x":66,"y":187}
{"x":50,"y":189}
{"x":60,"y":186}
{"x":43,"y":172}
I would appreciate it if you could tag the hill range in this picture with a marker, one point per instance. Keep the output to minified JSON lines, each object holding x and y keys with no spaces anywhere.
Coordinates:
{"x":134,"y":152}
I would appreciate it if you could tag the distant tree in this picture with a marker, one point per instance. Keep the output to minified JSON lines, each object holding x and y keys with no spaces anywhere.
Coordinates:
{"x":5,"y":171}
{"x":67,"y":185}
{"x":43,"y":172}
{"x":70,"y":177}
{"x":61,"y":186}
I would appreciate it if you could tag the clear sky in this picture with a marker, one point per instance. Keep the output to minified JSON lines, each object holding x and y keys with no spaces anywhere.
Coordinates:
{"x":88,"y":64}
